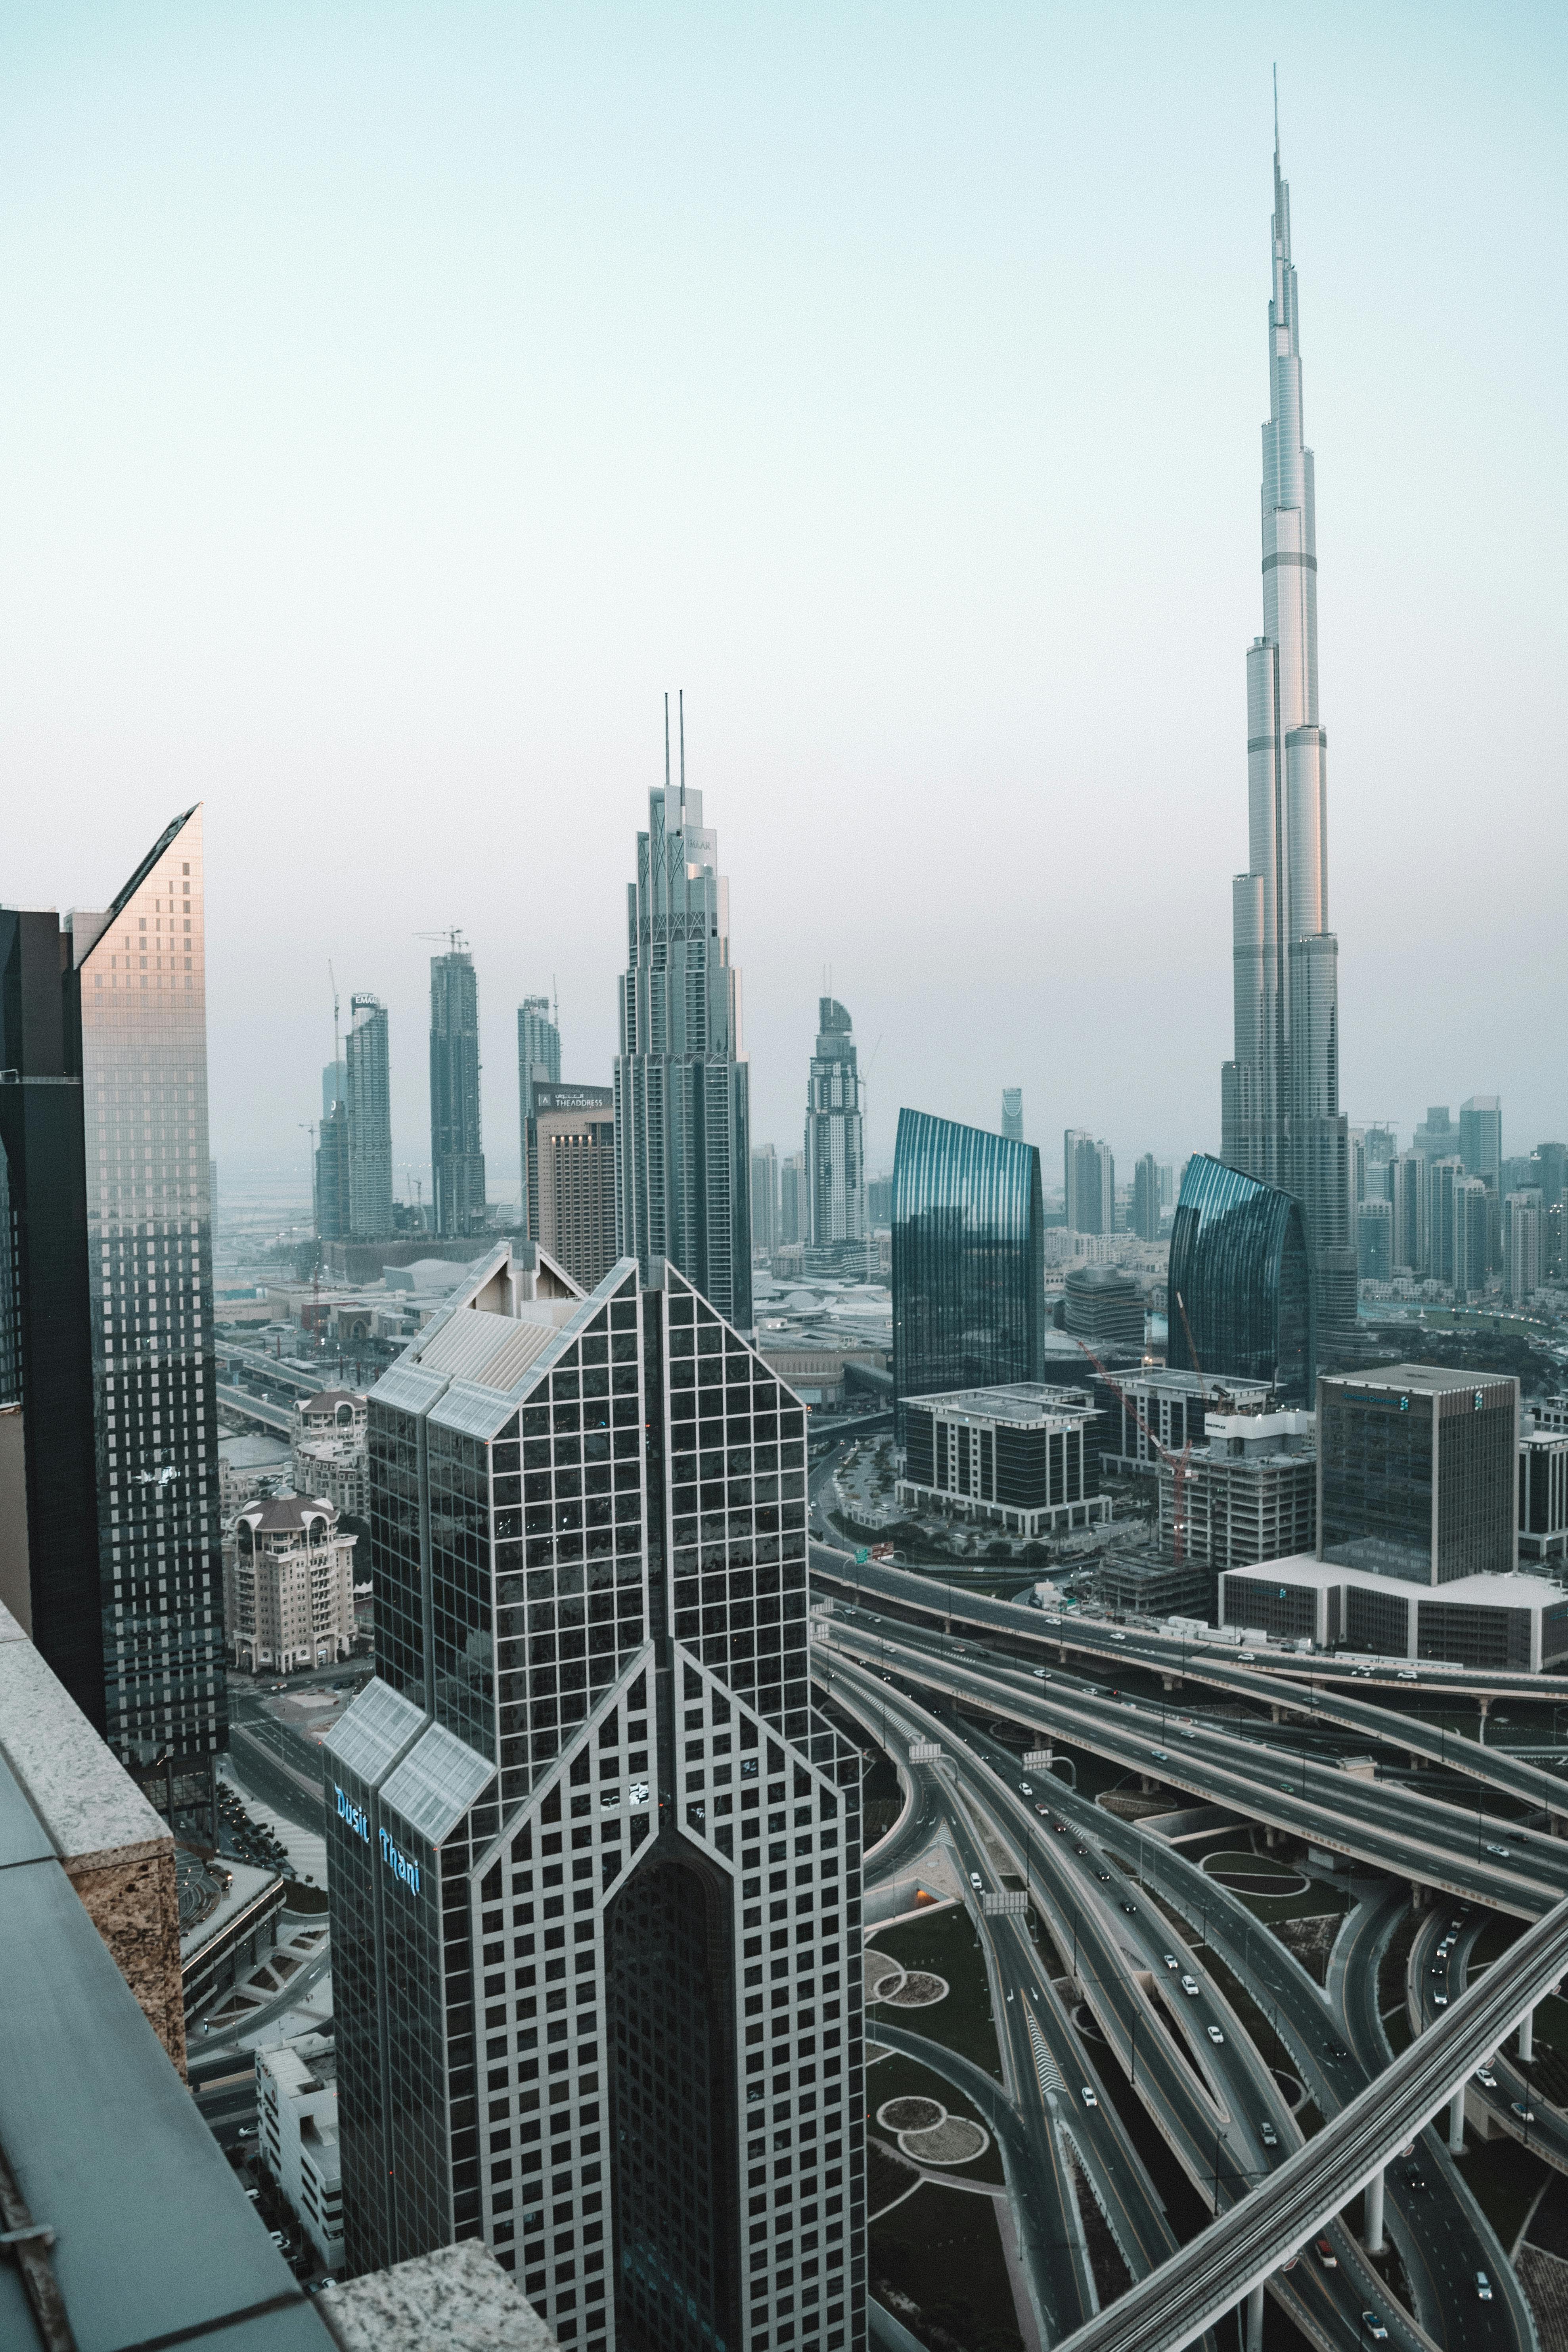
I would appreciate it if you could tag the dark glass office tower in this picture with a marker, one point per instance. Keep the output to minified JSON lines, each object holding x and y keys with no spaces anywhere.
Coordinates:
{"x":1239,"y":1271}
{"x":835,"y":1134}
{"x":456,"y":1146}
{"x":683,"y":1136}
{"x":1417,"y":1472}
{"x":367,"y":1083}
{"x":333,"y":1176}
{"x":103,"y":1121}
{"x":594,"y":1859}
{"x":969,"y":1277}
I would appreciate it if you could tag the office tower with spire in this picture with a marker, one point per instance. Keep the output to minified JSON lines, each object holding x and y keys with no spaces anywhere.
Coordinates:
{"x":368,"y":1093}
{"x":538,"y":1065}
{"x":113,"y":1563}
{"x":683,"y":1150}
{"x":594,"y":1854}
{"x":1280,"y":1118}
{"x":456,"y":1146}
{"x":834,"y":1158}
{"x":1013,"y":1114}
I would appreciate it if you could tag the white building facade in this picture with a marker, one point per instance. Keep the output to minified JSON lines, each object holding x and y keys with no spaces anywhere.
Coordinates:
{"x":288,"y":1598}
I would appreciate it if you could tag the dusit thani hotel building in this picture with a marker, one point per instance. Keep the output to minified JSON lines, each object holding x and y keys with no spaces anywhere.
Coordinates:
{"x":595,"y":1860}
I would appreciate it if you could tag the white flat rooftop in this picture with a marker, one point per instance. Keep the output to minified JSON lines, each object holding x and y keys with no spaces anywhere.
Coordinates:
{"x":1508,"y":1590}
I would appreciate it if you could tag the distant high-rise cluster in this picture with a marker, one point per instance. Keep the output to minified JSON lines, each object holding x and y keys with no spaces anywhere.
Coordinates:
{"x":1280,"y":1115}
{"x":108,"y":1315}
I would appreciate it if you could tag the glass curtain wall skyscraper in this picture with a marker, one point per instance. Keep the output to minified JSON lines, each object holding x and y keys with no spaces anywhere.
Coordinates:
{"x":368,"y":1092}
{"x":1280,"y":1116}
{"x":683,"y":1146}
{"x":835,"y":1156}
{"x":1239,"y":1285}
{"x":108,"y":1264}
{"x":538,"y":1065}
{"x":968,"y":1259}
{"x":456,"y":1146}
{"x":594,"y":1858}
{"x":1013,"y":1114}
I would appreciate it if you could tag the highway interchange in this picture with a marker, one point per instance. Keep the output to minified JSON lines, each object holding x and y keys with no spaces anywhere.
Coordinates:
{"x":1119,"y":1903}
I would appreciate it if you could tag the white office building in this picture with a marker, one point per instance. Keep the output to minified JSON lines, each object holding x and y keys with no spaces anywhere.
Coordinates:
{"x":297,"y":2127}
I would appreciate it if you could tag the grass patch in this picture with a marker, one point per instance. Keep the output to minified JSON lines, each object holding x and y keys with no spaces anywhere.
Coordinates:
{"x":898,"y":2077}
{"x":947,"y":1945}
{"x":887,"y":2175}
{"x":940,"y":2252}
{"x":1503,"y":2177}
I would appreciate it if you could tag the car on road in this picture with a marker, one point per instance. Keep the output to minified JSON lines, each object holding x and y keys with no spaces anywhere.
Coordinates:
{"x":1080,"y":1849}
{"x":1090,"y":2098}
{"x":1415,"y":2179}
{"x":1374,"y":2326}
{"x":248,"y":2131}
{"x":1326,"y":2254}
{"x":1060,"y":1828}
{"x":1189,"y":1735}
{"x":1103,"y":1876}
{"x":1041,"y":1675}
{"x":1190,"y":1987}
{"x":1407,"y":1674}
{"x":1500,"y":1851}
{"x":1215,"y":2036}
{"x":974,"y":1878}
{"x":1267,"y":2135}
{"x":1439,"y":2000}
{"x":278,"y":2238}
{"x":1160,"y":1755}
{"x":1024,"y":1790}
{"x":1119,"y":1637}
{"x":1483,"y":2287}
{"x":1526,"y":2115}
{"x":1487,"y":2079}
{"x":1170,"y":1959}
{"x":1131,"y":1909}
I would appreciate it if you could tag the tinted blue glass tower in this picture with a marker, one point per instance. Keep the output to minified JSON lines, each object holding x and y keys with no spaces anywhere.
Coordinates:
{"x":1238,"y":1265}
{"x":594,"y":1858}
{"x":968,"y":1259}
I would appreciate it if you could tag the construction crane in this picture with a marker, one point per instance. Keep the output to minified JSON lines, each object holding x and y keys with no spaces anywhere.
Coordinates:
{"x":457,"y":938}
{"x":1178,"y":1462}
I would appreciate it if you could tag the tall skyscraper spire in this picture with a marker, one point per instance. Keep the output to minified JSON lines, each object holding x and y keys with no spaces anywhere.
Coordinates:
{"x":1279,"y":1097}
{"x":682,"y":1107}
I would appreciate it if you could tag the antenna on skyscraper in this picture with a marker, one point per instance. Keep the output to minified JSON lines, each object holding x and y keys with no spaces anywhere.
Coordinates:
{"x":683,"y":755}
{"x":337,"y":1049}
{"x":666,"y":742}
{"x":1276,"y":116}
{"x":555,"y":1000}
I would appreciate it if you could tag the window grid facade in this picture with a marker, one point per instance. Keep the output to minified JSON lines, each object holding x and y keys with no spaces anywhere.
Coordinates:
{"x":494,"y":1969}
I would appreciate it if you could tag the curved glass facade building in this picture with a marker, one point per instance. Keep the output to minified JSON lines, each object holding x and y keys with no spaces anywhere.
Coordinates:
{"x":1239,"y":1262}
{"x":968,"y":1259}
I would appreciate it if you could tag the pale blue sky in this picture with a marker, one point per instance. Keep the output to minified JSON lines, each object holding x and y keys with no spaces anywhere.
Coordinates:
{"x":394,"y":401}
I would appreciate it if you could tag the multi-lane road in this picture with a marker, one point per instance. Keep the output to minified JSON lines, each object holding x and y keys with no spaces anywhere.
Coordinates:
{"x":1282,"y":1760}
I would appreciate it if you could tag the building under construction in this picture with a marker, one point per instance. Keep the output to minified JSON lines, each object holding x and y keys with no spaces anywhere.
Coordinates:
{"x":1248,"y":1493}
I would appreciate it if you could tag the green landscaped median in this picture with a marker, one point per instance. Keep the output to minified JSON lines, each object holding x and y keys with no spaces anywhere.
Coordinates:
{"x":945,"y":1945}
{"x":940,"y":2252}
{"x":898,"y":2077}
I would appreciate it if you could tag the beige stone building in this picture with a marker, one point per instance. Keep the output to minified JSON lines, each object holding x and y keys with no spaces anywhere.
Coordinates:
{"x":330,"y":1455}
{"x":117,"y":1853}
{"x":289,"y":1596}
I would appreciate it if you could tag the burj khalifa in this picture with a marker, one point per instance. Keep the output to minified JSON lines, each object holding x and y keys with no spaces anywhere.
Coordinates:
{"x":1280,"y":1118}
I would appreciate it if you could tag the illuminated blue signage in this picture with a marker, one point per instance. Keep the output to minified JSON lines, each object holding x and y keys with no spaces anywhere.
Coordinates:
{"x":353,"y":1814}
{"x":399,"y":1863}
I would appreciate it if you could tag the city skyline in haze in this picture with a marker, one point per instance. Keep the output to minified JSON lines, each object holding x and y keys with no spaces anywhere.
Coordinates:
{"x":376,"y":543}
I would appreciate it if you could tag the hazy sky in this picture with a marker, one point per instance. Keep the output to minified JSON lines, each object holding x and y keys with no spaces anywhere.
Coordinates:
{"x":397,"y":400}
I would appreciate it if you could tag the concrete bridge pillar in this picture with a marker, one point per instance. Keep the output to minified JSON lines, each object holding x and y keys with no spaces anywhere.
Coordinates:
{"x":1527,"y":2036}
{"x":1456,"y":2122}
{"x":1485,"y":1706}
{"x":1255,"y":2320}
{"x":1273,"y":1711}
{"x":1375,"y":2239}
{"x":1167,"y":1682}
